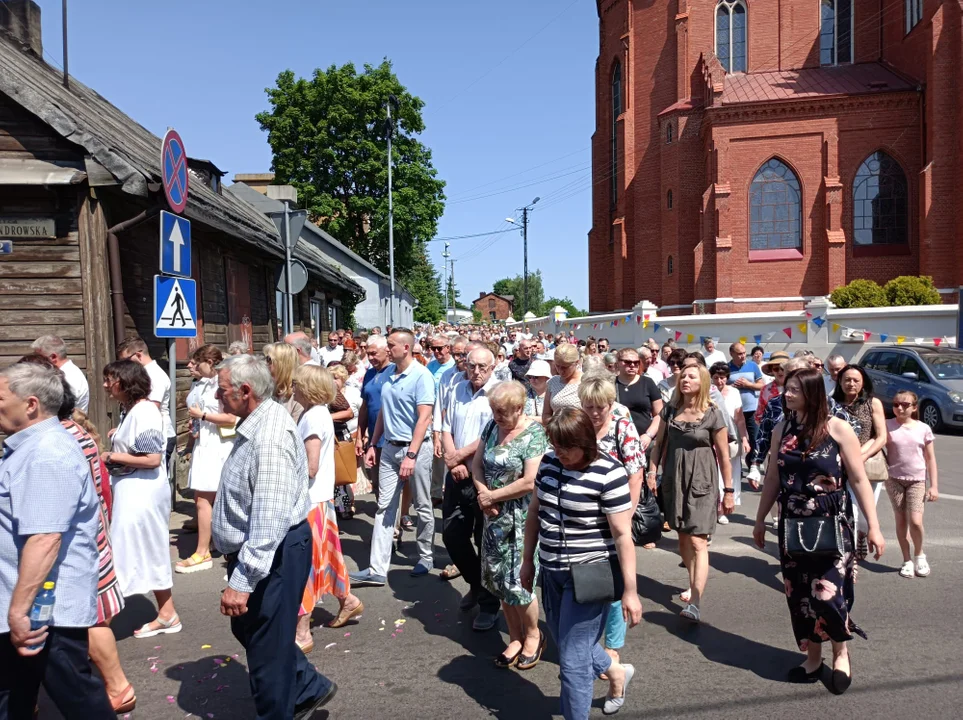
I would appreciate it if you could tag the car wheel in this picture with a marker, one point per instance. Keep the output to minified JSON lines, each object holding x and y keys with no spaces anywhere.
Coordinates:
{"x":930,"y":414}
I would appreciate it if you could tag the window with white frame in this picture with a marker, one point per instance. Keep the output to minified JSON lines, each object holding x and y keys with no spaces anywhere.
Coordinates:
{"x":914,"y":13}
{"x":731,"y":35}
{"x":835,"y":32}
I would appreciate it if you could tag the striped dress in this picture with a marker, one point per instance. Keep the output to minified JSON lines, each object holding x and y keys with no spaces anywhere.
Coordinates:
{"x":582,"y":499}
{"x":110,"y":601}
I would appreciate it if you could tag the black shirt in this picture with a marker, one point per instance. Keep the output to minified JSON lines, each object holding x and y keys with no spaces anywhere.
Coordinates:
{"x":518,"y":368}
{"x":638,"y":398}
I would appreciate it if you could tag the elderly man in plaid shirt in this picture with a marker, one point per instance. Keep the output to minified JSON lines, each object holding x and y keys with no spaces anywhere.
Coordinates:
{"x":259,"y":524}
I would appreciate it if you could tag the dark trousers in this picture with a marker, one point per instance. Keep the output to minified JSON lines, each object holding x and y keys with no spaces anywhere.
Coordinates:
{"x":463,"y":522}
{"x":281,"y":677}
{"x":751,"y":430}
{"x":63,"y":668}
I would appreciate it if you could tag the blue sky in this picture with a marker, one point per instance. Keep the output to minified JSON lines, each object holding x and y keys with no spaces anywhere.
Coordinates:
{"x":508,"y":87}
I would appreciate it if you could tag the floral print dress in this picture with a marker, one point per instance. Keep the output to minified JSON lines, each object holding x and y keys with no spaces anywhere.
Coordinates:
{"x":503,"y":536}
{"x":819,"y":590}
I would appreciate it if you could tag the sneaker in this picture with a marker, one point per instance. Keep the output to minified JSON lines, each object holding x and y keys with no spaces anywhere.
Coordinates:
{"x":922,"y":567}
{"x":306,"y":710}
{"x":755,"y":475}
{"x":421,"y":569}
{"x":366,"y":578}
{"x":723,"y":519}
{"x":484,"y":621}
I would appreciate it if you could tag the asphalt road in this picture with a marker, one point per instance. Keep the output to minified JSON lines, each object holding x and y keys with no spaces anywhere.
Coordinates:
{"x":733,"y":665}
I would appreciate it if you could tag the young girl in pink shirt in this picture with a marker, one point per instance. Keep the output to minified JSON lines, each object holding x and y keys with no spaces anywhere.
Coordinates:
{"x":911,"y":458}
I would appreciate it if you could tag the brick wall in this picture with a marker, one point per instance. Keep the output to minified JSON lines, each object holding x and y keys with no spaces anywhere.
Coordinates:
{"x":493,"y":303}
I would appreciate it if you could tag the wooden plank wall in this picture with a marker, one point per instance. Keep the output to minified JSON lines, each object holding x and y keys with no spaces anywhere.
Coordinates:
{"x":40,"y":283}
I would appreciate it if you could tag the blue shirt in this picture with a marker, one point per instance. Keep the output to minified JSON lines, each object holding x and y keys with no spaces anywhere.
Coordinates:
{"x":437,"y":369}
{"x":371,"y":386}
{"x":45,"y":487}
{"x":751,"y":372}
{"x":400,"y":397}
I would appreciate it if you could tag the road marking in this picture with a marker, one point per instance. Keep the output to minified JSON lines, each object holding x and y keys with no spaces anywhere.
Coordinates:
{"x":951,"y":497}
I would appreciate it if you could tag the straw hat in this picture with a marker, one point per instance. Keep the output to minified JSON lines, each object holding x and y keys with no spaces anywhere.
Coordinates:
{"x":777,"y":359}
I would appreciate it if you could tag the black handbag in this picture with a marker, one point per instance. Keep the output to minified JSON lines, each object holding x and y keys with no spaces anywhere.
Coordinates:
{"x":647,"y":519}
{"x":598,"y":582}
{"x":813,"y":537}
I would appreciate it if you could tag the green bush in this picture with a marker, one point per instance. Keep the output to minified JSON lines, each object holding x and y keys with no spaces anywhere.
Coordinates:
{"x":859,"y":294}
{"x":912,"y":290}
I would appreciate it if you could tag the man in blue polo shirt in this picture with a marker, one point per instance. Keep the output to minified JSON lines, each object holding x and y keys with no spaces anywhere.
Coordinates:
{"x":746,"y":376}
{"x":407,"y":399}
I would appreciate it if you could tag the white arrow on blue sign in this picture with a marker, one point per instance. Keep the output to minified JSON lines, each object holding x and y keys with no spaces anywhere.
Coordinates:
{"x":175,"y":245}
{"x":175,"y":307}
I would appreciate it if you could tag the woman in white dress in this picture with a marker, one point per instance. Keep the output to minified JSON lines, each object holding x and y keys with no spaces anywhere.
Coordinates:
{"x":720,"y":378}
{"x":142,"y":496}
{"x":215,"y":438}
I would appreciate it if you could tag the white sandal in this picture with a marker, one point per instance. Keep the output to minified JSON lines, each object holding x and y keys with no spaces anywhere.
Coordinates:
{"x":167,"y":627}
{"x":685,"y":596}
{"x":907,"y":570}
{"x":691,"y":613}
{"x":922,"y":567}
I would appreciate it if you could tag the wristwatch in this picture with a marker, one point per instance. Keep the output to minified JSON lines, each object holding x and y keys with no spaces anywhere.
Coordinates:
{"x":411,"y":456}
{"x":728,"y":491}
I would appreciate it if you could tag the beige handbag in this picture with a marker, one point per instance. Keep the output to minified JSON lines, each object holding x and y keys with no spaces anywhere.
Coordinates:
{"x":877,"y":468}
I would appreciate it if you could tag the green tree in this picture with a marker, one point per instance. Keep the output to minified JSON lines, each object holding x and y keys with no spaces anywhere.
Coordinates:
{"x":454,"y":295}
{"x":516,"y":286}
{"x":912,"y":290}
{"x":329,"y":137}
{"x":565,"y":302}
{"x":859,"y":294}
{"x":423,"y":282}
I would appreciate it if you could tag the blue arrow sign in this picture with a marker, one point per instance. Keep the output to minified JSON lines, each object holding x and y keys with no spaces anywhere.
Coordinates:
{"x":175,"y":245}
{"x":175,"y":307}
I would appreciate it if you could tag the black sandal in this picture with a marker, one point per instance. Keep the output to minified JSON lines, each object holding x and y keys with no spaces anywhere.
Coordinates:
{"x":503,"y":661}
{"x":527,"y":663}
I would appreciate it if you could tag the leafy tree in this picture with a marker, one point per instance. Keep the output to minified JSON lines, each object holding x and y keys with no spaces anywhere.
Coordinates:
{"x":328,"y":135}
{"x":565,"y":302}
{"x":912,"y":290}
{"x":476,"y":316}
{"x":859,"y":294}
{"x":516,"y":286}
{"x":454,"y":295}
{"x":423,"y":282}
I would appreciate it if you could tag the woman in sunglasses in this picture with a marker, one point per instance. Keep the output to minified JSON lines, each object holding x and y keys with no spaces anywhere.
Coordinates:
{"x":911,"y":457}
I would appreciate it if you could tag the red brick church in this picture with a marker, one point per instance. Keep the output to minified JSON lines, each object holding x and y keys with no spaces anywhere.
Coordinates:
{"x":751,"y":154}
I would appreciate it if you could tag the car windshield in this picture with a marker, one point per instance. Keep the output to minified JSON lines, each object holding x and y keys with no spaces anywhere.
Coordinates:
{"x":946,"y":367}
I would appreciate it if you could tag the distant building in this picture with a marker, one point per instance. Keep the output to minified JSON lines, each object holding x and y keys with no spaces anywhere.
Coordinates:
{"x":495,"y":307}
{"x":749,"y":155}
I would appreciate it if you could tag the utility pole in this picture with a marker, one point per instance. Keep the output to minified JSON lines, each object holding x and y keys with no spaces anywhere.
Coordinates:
{"x":446,"y":255}
{"x":392,"y":100}
{"x":525,"y":210}
{"x":451,"y":279}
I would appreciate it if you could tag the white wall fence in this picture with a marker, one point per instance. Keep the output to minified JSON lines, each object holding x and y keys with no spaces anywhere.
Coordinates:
{"x":821,"y":327}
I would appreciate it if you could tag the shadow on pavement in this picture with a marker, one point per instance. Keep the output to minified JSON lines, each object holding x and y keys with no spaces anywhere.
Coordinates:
{"x":138,"y":609}
{"x":515,"y":698}
{"x":758,"y":568}
{"x":212,"y":686}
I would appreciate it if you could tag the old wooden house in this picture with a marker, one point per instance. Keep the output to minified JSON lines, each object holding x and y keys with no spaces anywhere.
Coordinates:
{"x":79,"y":201}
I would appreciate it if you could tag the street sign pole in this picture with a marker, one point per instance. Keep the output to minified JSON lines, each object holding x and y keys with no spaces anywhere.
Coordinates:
{"x":288,"y":302}
{"x":172,"y":373}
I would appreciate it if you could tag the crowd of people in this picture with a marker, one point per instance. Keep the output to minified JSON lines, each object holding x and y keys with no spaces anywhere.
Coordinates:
{"x":545,"y":454}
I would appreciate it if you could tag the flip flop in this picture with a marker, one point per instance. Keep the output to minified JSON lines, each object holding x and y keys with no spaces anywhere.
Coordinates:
{"x":167,"y":627}
{"x":450,"y":573}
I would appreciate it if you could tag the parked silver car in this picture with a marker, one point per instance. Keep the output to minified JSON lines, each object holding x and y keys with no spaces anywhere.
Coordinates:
{"x":934,"y":374}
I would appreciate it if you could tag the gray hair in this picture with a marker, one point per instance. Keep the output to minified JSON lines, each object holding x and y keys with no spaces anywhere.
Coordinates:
{"x":251,"y":371}
{"x":797,"y":363}
{"x":835,"y":357}
{"x":39,"y":381}
{"x":377,"y":341}
{"x":610,"y":358}
{"x":48,"y":345}
{"x":301,"y":344}
{"x":439,"y":339}
{"x":803,"y":354}
{"x":594,"y":365}
{"x":238,"y":347}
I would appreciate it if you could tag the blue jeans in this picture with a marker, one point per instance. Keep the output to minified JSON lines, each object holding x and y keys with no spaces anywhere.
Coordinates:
{"x":576,"y":630}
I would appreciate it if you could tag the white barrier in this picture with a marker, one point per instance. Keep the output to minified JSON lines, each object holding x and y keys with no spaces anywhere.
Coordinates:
{"x":821,"y":327}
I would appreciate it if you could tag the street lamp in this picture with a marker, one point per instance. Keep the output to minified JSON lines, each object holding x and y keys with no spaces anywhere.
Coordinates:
{"x":525,"y":210}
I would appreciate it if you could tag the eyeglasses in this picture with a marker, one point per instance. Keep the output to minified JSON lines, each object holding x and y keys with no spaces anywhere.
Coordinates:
{"x":459,"y":356}
{"x":901,"y":405}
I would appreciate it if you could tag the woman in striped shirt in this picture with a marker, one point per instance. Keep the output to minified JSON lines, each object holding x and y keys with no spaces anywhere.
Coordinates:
{"x":581,"y":514}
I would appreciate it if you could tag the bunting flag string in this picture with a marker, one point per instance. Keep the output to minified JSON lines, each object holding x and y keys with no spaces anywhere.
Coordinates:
{"x":788,"y":332}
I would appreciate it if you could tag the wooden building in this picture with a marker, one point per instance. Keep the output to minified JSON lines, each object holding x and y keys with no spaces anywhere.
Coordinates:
{"x":79,"y":201}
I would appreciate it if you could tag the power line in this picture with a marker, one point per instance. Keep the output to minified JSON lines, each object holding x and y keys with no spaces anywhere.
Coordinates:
{"x":521,"y":172}
{"x":474,"y":235}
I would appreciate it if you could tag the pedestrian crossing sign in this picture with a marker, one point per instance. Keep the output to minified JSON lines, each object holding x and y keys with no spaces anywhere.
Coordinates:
{"x":175,"y":307}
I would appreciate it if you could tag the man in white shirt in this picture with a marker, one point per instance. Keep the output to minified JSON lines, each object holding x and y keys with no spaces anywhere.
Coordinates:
{"x":647,"y":367}
{"x":466,"y":415}
{"x":332,"y":351}
{"x":834,"y":365}
{"x":302,"y":344}
{"x":135,"y":349}
{"x":710,"y":353}
{"x":55,"y":350}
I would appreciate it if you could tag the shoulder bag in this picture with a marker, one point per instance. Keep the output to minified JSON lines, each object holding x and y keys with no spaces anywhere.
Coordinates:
{"x":598,"y":582}
{"x":345,"y":463}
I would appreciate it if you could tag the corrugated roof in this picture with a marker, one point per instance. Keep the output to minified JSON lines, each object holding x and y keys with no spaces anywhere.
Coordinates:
{"x":130,"y":152}
{"x":861,"y":79}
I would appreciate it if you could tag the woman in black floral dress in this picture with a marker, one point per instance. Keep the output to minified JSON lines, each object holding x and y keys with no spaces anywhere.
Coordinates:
{"x":817,"y":456}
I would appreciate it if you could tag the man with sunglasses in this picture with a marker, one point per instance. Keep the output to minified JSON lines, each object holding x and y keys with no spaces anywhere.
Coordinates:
{"x":521,"y":362}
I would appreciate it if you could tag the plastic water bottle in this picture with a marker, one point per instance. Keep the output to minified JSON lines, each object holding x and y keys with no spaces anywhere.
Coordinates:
{"x":42,"y":610}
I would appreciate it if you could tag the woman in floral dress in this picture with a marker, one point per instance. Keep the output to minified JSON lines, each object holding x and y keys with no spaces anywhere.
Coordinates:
{"x":503,"y":470}
{"x":818,"y":456}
